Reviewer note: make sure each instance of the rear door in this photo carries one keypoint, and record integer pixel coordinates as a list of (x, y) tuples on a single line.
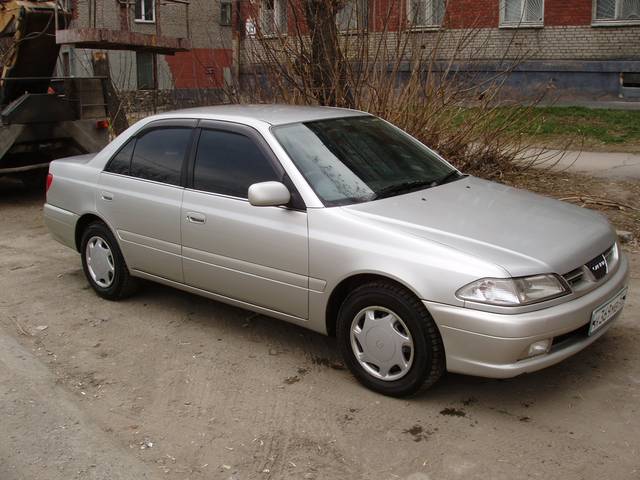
[(140, 195), (258, 255)]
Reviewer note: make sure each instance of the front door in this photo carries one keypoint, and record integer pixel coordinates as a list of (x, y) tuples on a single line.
[(257, 255)]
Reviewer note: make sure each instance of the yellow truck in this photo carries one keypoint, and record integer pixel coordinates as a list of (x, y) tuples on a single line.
[(43, 117)]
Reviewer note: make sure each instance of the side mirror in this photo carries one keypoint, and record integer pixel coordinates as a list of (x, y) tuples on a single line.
[(268, 194)]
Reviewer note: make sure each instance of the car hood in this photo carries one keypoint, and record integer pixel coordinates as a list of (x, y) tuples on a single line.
[(520, 231)]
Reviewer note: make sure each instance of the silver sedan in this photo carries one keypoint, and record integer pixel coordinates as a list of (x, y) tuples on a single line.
[(340, 222)]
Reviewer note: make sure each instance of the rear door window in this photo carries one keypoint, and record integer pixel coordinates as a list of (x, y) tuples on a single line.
[(160, 153), (229, 163), (121, 162)]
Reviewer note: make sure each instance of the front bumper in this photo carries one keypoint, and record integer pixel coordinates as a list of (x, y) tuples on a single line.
[(495, 345)]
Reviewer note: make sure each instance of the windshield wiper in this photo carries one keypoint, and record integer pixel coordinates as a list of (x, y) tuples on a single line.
[(412, 185), (402, 188), (452, 176)]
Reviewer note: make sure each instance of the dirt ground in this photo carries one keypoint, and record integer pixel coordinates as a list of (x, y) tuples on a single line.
[(167, 385)]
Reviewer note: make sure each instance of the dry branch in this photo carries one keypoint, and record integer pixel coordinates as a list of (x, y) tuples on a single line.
[(599, 201), (411, 78)]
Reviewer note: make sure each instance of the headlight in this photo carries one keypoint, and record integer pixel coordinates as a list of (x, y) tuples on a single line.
[(513, 291)]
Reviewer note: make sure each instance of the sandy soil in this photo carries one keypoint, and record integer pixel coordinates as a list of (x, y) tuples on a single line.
[(167, 385)]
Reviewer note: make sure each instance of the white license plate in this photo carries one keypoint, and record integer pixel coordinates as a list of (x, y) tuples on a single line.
[(606, 312)]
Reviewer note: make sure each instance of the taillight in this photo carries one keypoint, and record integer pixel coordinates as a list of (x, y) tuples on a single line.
[(102, 124), (49, 181)]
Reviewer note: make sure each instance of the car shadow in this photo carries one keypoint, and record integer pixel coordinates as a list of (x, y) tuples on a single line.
[(14, 192), (560, 387), (290, 338), (554, 385)]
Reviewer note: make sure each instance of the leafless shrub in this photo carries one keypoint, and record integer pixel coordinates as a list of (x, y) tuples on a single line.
[(409, 77)]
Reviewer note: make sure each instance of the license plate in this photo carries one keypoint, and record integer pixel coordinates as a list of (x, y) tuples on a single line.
[(606, 312)]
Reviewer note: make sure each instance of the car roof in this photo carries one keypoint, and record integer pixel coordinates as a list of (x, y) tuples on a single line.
[(272, 114)]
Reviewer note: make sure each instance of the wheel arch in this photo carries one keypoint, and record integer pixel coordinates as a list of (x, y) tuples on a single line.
[(86, 220), (346, 285)]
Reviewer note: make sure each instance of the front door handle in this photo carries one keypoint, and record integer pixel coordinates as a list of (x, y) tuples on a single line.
[(195, 217)]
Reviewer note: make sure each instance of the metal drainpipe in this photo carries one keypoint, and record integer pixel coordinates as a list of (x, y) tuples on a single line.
[(236, 37), (155, 82)]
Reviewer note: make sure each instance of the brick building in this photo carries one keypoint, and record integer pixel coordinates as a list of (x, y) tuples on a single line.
[(190, 40), (583, 48)]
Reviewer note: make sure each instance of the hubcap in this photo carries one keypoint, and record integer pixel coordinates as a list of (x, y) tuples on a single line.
[(382, 343), (100, 262)]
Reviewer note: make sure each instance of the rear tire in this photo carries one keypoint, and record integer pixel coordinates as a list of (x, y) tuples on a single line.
[(104, 265), (389, 340)]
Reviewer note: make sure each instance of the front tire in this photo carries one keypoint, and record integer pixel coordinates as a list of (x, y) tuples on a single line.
[(388, 340), (103, 263)]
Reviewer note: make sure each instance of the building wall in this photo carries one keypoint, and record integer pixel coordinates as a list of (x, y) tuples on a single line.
[(564, 43), (567, 47), (548, 43), (568, 52), (486, 13), (204, 67), (473, 14)]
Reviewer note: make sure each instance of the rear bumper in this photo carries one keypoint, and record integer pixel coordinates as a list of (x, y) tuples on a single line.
[(61, 224), (473, 346)]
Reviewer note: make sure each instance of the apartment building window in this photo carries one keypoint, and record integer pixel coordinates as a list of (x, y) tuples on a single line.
[(425, 13), (617, 11), (522, 13), (145, 10), (353, 16), (273, 17), (144, 70), (631, 80), (225, 13)]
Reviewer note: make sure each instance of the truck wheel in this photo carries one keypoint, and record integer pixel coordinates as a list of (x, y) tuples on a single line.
[(388, 340), (104, 265)]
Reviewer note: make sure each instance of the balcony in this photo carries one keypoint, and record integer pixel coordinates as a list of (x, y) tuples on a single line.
[(140, 25)]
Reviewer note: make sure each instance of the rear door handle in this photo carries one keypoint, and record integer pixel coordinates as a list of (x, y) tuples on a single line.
[(106, 196), (195, 217)]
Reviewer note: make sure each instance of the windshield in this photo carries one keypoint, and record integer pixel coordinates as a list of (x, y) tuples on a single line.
[(358, 159)]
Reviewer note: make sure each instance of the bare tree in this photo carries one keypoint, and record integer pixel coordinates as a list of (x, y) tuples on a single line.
[(415, 78), (328, 69), (115, 110)]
